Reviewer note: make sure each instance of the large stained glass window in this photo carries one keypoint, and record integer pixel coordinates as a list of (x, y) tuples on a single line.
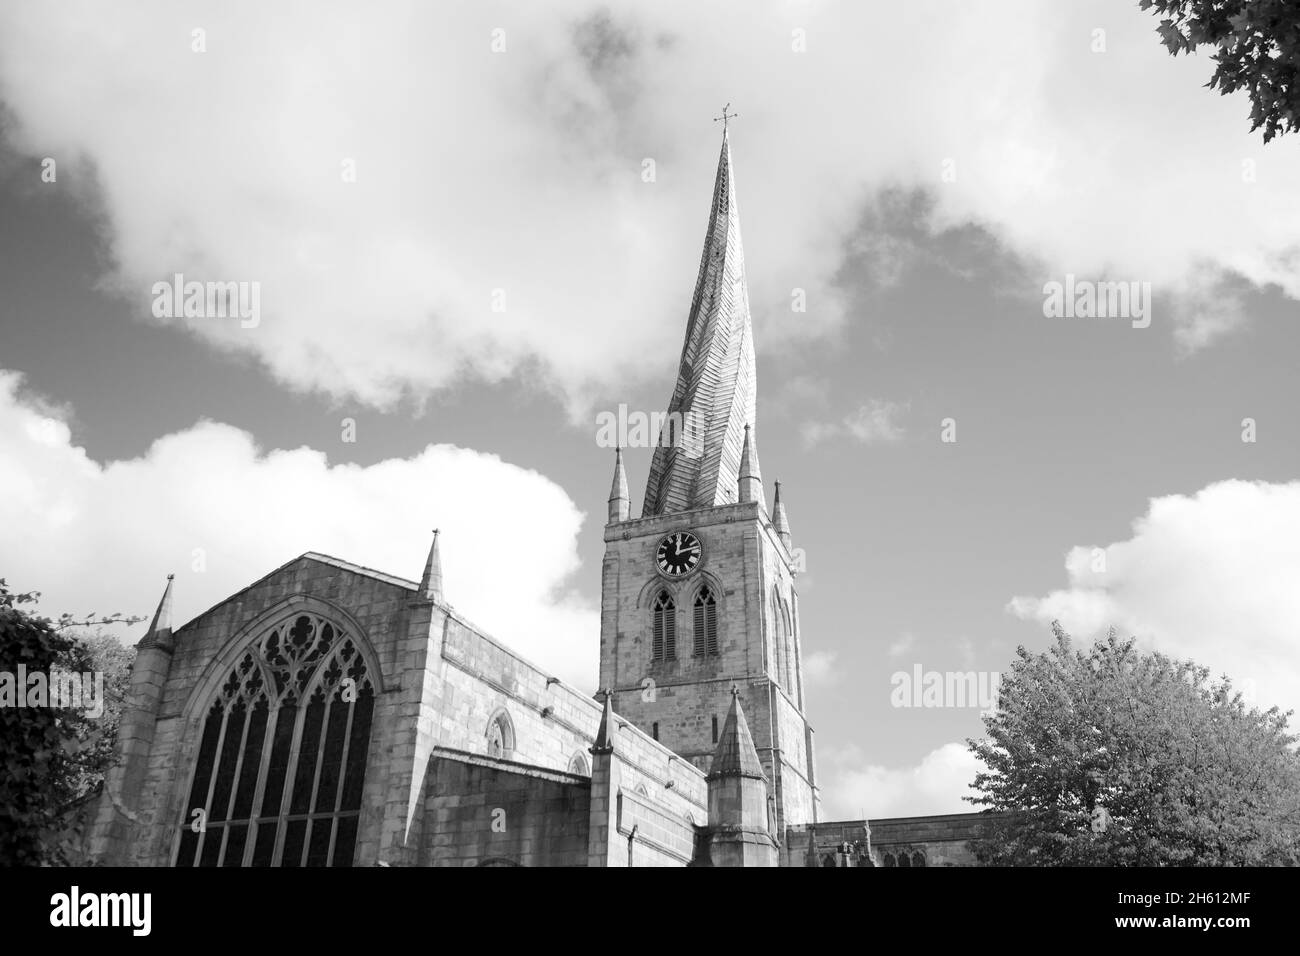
[(283, 754)]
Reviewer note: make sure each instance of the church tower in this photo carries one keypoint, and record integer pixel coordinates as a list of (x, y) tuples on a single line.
[(698, 592)]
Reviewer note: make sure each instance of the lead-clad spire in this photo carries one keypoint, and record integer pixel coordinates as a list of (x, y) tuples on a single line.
[(716, 382)]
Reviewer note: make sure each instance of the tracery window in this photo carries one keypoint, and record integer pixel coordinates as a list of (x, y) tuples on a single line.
[(500, 735), (889, 860), (706, 623), (663, 643), (282, 759), (918, 859)]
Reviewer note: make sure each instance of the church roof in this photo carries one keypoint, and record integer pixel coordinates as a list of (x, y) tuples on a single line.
[(349, 566), (735, 755), (716, 381)]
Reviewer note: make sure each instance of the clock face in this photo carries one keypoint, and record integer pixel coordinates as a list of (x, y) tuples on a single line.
[(679, 553)]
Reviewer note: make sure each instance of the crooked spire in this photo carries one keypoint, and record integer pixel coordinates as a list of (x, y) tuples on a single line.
[(716, 381), (160, 628), (431, 582), (620, 505)]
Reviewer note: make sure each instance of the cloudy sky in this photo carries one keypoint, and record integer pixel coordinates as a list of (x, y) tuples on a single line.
[(476, 226)]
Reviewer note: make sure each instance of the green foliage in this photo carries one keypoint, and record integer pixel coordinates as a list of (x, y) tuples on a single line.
[(1258, 50), (53, 759), (1189, 775)]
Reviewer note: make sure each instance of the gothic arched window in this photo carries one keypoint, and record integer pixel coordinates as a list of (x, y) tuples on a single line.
[(889, 860), (578, 764), (706, 623), (663, 643), (904, 859), (918, 859), (500, 736), (282, 758)]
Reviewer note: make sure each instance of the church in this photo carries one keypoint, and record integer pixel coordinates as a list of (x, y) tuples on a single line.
[(334, 715)]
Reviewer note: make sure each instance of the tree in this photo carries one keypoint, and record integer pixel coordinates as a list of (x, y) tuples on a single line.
[(1116, 757), (89, 740), (1258, 45), (52, 758)]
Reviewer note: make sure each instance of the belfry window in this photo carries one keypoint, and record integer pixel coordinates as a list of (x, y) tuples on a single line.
[(706, 623), (282, 759), (663, 642)]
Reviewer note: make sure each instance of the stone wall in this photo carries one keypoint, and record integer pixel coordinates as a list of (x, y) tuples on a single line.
[(485, 812), (943, 840), (744, 565), (656, 836), (439, 682)]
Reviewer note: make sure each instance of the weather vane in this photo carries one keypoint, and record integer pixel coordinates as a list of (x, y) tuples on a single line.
[(725, 116)]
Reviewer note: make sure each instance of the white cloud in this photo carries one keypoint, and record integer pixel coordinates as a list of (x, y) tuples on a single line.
[(1211, 576), (819, 668), (901, 646), (874, 421), (935, 785), (966, 649), (101, 537), (521, 171), (1208, 307)]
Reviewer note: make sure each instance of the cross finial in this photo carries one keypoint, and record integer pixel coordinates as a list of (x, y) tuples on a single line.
[(725, 116)]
